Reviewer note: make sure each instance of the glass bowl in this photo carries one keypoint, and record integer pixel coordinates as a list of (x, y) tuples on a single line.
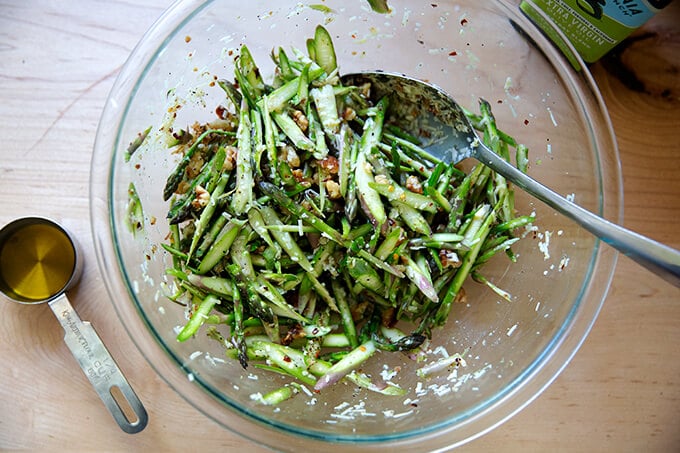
[(472, 49)]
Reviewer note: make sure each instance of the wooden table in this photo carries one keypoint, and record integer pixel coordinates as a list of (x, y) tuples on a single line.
[(58, 61)]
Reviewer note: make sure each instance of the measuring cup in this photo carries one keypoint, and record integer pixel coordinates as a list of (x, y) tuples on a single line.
[(39, 262)]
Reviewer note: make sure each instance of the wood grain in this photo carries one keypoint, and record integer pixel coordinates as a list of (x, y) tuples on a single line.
[(59, 60)]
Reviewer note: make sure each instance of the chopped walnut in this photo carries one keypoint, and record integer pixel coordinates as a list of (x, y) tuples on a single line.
[(183, 187), (366, 90), (198, 128), (368, 168), (301, 120), (230, 159), (202, 198), (389, 317), (358, 310), (330, 164), (291, 157), (449, 258), (195, 165), (333, 189), (461, 297), (413, 184), (300, 177), (221, 111), (293, 334), (227, 123), (349, 114)]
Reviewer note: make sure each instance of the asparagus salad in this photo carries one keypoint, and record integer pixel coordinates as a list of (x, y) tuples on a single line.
[(308, 230)]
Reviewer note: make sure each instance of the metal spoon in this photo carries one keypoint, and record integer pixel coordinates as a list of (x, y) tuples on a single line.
[(460, 142), (39, 263)]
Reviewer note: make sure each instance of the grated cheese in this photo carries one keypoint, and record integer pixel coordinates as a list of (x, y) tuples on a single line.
[(544, 245), (390, 414)]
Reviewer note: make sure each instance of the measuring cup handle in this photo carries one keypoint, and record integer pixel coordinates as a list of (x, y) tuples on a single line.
[(100, 368)]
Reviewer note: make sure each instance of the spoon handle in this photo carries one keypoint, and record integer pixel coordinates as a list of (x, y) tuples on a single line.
[(100, 368), (660, 259)]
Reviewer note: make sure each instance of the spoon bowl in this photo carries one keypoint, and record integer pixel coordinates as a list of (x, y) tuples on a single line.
[(451, 138)]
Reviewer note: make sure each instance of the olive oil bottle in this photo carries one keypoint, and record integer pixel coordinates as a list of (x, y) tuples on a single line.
[(594, 27)]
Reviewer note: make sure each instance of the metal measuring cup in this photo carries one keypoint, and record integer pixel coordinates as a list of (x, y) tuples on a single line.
[(39, 262)]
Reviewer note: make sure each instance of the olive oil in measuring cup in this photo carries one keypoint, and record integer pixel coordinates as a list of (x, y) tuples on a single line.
[(39, 263), (36, 261)]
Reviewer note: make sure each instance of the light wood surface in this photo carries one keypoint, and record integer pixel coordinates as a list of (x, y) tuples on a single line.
[(58, 60)]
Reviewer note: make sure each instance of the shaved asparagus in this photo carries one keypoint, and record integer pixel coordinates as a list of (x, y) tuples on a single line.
[(304, 231)]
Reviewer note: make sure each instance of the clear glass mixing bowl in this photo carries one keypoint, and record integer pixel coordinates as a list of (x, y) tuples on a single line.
[(472, 49)]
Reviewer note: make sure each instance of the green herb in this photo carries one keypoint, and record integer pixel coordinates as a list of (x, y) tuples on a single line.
[(380, 6), (136, 143), (134, 213)]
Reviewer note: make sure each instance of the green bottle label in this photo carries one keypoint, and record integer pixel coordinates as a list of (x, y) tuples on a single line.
[(595, 26)]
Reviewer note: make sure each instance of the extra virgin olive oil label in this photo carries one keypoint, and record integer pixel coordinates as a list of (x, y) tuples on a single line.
[(594, 27)]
